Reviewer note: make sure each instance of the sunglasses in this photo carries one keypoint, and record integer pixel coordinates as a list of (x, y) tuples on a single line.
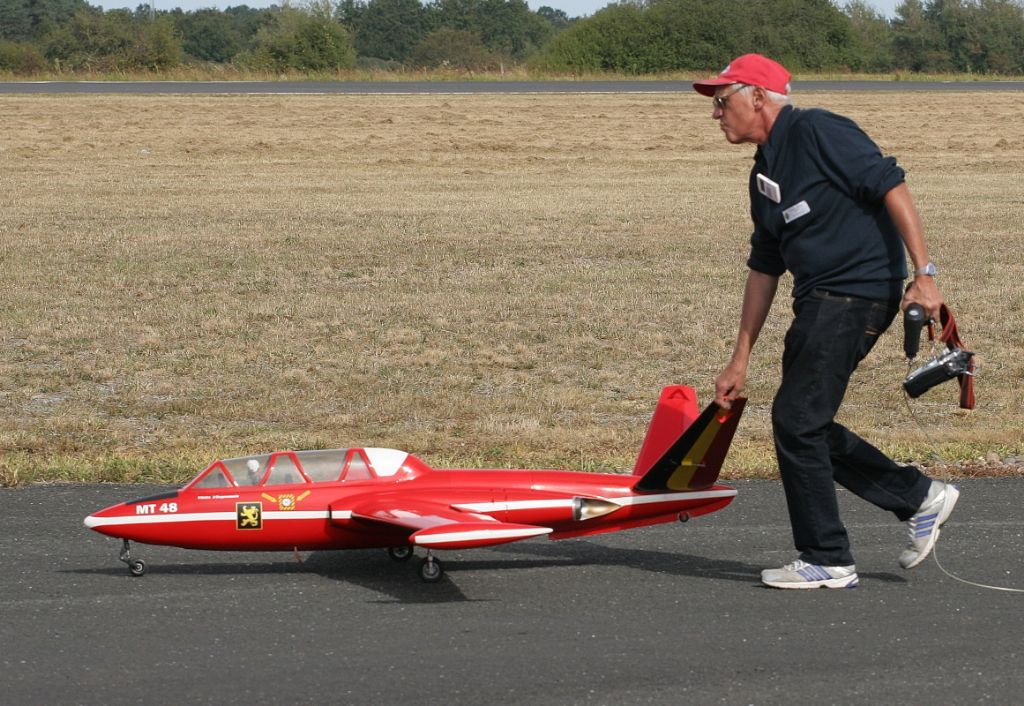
[(720, 101)]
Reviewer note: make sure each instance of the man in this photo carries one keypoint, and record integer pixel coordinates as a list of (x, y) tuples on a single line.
[(831, 210)]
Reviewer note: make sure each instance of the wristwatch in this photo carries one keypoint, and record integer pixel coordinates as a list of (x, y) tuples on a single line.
[(930, 269)]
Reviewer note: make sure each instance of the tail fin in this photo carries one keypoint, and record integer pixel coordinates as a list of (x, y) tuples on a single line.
[(683, 451), (675, 411)]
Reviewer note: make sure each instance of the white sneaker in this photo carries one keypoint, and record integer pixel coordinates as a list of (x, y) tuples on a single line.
[(800, 574), (924, 526)]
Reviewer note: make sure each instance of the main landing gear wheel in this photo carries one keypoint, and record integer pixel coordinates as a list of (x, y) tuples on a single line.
[(431, 570), (400, 553)]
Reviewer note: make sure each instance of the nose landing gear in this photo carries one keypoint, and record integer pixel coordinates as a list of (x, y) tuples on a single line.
[(136, 567)]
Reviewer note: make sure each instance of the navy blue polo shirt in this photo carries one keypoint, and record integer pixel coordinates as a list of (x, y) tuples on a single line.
[(818, 208)]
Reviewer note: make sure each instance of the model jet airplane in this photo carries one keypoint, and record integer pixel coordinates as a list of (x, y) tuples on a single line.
[(371, 497)]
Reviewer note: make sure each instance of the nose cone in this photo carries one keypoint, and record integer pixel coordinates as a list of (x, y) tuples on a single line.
[(125, 520), (109, 520)]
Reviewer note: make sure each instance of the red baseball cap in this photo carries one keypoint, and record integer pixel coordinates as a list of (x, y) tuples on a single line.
[(751, 69)]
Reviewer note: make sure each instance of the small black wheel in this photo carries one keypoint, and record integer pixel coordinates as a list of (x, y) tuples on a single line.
[(403, 553), (431, 570), (137, 567)]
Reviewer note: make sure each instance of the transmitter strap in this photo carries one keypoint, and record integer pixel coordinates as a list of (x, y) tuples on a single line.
[(951, 337)]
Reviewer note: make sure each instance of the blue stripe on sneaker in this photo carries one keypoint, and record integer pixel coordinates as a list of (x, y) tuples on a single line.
[(816, 573)]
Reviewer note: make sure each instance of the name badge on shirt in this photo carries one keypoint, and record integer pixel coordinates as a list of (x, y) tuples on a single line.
[(769, 188), (796, 211)]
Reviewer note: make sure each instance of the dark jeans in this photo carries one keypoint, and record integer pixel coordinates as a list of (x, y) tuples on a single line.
[(829, 336)]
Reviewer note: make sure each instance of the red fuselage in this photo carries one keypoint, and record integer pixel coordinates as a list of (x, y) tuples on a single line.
[(333, 514)]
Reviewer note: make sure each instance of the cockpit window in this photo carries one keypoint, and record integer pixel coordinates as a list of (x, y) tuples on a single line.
[(322, 465), (215, 477), (358, 468), (288, 467), (283, 470), (247, 470)]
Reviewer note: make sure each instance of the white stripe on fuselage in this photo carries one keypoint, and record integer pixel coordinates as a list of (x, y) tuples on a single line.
[(514, 505), (674, 497), (94, 521)]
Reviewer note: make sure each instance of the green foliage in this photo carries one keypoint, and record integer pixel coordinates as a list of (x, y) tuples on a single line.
[(116, 40), (210, 35), (1001, 36), (569, 52), (557, 18), (392, 29), (871, 50), (701, 34), (160, 47), (302, 41), (455, 48), (633, 36), (959, 36), (610, 40), (509, 28), (372, 63), (89, 38), (20, 57), (23, 20), (815, 35), (248, 21), (389, 29), (669, 35), (802, 34)]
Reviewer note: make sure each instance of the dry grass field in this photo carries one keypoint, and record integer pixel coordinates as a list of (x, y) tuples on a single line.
[(501, 280)]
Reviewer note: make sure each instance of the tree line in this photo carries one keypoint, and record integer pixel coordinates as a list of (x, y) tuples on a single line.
[(633, 37)]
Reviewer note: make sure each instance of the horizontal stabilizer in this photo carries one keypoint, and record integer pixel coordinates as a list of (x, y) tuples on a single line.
[(694, 461), (466, 535)]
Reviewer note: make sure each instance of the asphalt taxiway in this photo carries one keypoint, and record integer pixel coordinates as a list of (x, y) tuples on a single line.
[(660, 615)]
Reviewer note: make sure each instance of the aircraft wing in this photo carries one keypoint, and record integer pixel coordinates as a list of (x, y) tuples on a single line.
[(439, 526)]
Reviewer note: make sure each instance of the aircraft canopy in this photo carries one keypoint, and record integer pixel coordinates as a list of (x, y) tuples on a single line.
[(290, 467)]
